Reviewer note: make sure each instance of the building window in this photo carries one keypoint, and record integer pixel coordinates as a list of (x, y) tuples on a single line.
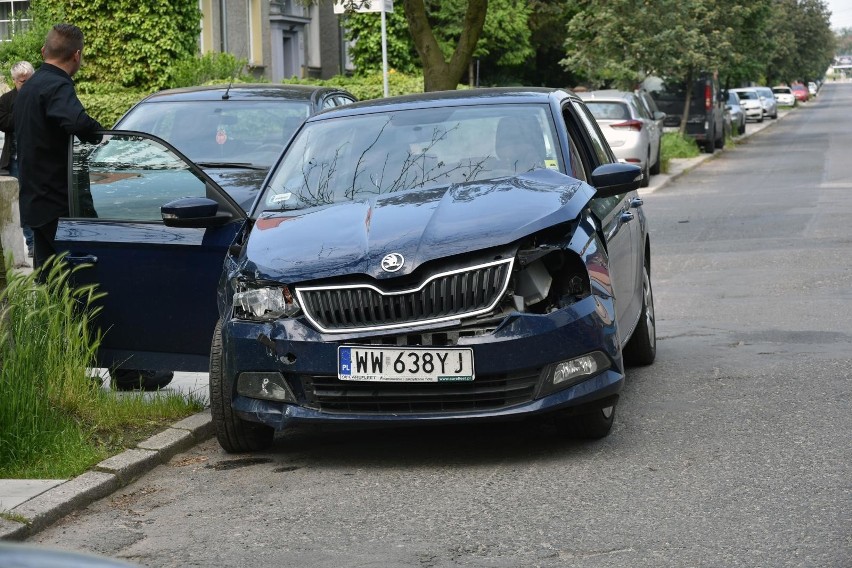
[(13, 18)]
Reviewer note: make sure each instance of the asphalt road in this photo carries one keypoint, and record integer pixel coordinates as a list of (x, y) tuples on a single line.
[(733, 449)]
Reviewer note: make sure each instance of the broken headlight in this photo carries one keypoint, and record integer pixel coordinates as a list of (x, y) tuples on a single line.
[(265, 303)]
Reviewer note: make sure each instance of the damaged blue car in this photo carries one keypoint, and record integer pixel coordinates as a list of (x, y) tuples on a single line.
[(444, 257)]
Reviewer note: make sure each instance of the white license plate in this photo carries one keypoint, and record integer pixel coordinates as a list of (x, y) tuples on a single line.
[(404, 365)]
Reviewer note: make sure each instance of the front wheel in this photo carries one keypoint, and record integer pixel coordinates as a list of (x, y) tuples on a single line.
[(592, 424), (235, 435), (641, 349)]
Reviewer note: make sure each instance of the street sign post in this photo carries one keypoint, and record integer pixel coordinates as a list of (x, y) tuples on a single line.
[(364, 6)]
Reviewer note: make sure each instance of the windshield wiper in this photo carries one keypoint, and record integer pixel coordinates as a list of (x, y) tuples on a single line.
[(235, 165)]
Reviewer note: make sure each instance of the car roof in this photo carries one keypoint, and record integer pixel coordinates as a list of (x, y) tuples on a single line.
[(607, 94), (462, 97), (259, 91)]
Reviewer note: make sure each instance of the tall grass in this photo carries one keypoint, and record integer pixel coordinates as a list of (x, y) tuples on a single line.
[(674, 145), (55, 421)]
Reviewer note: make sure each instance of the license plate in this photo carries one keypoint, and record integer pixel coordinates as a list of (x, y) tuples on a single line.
[(404, 365)]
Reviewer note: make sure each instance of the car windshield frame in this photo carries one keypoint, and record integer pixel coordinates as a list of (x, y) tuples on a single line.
[(232, 133), (358, 157)]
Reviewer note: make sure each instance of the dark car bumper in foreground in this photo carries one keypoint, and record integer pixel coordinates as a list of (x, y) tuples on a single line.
[(513, 364)]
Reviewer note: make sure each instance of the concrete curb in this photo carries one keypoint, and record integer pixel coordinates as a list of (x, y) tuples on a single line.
[(105, 478)]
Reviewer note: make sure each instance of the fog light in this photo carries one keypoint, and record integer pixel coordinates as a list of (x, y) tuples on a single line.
[(267, 386), (579, 368)]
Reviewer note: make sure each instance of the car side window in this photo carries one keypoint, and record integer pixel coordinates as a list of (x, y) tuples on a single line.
[(128, 178), (602, 207), (599, 144)]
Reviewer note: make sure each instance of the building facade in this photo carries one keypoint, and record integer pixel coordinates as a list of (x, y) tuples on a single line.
[(279, 38)]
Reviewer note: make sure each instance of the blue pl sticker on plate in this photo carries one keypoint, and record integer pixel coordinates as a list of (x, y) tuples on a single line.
[(345, 361)]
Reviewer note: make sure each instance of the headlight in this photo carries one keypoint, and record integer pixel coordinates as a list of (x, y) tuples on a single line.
[(268, 303)]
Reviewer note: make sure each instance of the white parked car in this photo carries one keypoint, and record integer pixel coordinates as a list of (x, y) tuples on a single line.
[(631, 132), (750, 101), (784, 95), (812, 88)]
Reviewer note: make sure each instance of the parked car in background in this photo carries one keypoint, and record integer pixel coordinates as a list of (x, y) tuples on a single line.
[(234, 132), (750, 101), (736, 114), (784, 95), (706, 115), (653, 111), (435, 258), (633, 135), (801, 93), (767, 100), (812, 89)]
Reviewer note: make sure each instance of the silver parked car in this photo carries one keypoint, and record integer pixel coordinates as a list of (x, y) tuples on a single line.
[(737, 114), (750, 101), (633, 134), (767, 99)]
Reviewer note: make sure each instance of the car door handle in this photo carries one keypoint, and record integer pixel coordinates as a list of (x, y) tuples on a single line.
[(636, 202), (626, 216), (82, 259)]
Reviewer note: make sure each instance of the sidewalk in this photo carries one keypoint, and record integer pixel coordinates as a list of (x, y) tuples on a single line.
[(28, 506)]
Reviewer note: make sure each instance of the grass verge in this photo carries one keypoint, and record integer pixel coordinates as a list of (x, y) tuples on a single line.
[(55, 421), (674, 146)]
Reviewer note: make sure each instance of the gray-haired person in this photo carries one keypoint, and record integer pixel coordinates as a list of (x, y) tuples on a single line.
[(21, 72)]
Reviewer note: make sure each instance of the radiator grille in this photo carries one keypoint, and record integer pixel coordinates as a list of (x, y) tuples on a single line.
[(449, 295), (330, 394)]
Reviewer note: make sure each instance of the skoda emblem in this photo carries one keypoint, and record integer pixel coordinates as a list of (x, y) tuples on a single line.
[(392, 262)]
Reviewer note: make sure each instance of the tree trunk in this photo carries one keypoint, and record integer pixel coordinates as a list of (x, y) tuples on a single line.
[(685, 116), (439, 74)]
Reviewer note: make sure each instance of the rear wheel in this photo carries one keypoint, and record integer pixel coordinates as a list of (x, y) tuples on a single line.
[(234, 434), (641, 349), (655, 169), (646, 172), (710, 142), (720, 142), (742, 128)]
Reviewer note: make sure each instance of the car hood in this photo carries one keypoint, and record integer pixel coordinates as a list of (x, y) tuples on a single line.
[(421, 225), (242, 185)]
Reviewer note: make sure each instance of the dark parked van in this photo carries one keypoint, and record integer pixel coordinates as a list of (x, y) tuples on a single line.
[(706, 120)]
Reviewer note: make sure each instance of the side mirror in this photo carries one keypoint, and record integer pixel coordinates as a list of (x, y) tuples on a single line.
[(659, 115), (193, 212), (614, 179)]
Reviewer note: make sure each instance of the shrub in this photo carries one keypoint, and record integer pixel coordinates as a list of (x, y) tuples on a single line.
[(674, 146), (369, 86), (207, 68)]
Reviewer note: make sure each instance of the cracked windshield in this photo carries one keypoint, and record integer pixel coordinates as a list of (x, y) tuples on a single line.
[(356, 158)]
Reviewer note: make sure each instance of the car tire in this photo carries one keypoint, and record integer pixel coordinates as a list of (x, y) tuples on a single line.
[(720, 142), (742, 128), (656, 168), (759, 120), (235, 435), (646, 172), (641, 349), (592, 423), (139, 379), (710, 143)]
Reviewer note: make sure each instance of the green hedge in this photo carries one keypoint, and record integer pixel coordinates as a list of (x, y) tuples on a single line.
[(369, 86), (108, 107)]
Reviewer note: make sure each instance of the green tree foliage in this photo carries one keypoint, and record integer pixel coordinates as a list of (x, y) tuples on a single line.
[(505, 40), (130, 43), (803, 43), (618, 42)]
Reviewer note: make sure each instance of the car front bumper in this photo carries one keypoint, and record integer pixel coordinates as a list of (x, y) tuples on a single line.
[(523, 349)]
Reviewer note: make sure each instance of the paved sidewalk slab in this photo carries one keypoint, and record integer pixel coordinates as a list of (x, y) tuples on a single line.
[(13, 492)]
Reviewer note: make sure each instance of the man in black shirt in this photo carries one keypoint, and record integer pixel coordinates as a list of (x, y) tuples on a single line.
[(46, 114)]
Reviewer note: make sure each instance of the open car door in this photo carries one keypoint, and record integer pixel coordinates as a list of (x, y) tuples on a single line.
[(153, 230)]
